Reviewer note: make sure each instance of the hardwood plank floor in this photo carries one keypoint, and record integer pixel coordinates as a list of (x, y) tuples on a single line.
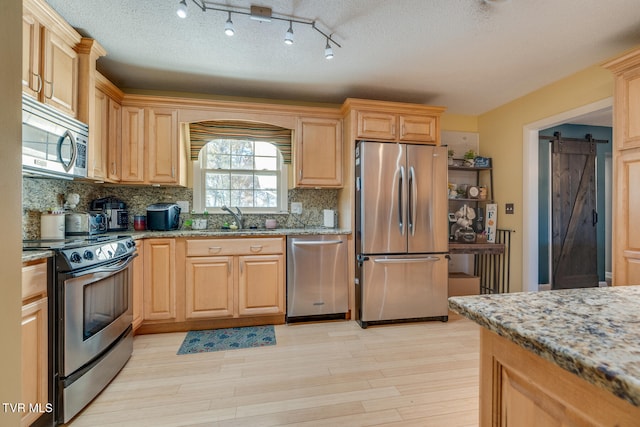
[(318, 374)]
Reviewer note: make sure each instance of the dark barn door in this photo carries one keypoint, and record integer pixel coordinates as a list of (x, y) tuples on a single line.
[(574, 239)]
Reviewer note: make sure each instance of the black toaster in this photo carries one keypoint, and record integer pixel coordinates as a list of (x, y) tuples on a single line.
[(163, 216)]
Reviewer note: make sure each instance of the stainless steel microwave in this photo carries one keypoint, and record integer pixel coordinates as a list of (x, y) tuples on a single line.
[(53, 144)]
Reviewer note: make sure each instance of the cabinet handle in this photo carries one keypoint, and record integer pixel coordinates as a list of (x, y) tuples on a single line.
[(215, 249), (393, 129), (241, 266), (255, 248), (402, 131), (113, 168), (39, 82), (45, 92), (173, 171), (300, 174), (229, 268)]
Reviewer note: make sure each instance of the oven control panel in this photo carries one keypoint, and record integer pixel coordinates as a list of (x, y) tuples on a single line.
[(94, 253)]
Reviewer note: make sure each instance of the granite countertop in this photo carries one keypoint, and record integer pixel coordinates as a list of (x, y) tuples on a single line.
[(259, 232), (246, 232), (593, 333)]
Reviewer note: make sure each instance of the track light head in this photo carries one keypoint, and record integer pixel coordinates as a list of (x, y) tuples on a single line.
[(228, 27), (328, 51), (182, 9), (288, 37)]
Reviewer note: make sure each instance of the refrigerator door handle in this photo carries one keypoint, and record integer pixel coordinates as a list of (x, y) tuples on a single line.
[(400, 201), (406, 260), (413, 194)]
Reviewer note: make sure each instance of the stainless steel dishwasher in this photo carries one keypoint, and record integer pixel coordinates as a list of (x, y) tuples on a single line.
[(316, 277)]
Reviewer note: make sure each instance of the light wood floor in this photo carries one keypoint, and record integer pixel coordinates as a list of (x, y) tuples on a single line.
[(318, 374)]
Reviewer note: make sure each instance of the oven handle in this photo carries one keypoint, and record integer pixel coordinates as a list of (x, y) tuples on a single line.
[(110, 268)]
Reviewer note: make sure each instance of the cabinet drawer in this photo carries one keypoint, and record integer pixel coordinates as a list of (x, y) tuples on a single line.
[(34, 280), (209, 247)]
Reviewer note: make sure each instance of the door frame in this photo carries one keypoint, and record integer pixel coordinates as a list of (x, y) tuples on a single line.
[(530, 139)]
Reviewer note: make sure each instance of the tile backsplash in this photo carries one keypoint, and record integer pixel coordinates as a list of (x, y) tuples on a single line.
[(41, 194)]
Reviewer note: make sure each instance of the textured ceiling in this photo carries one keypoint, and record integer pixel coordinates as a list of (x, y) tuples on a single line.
[(467, 55)]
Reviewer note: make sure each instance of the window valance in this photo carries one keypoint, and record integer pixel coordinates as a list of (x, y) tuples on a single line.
[(203, 132)]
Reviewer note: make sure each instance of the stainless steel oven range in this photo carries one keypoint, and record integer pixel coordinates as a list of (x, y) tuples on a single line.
[(91, 302)]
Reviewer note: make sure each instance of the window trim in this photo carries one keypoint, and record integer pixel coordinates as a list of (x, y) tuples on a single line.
[(199, 199)]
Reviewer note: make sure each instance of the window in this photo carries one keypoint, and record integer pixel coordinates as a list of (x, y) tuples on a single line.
[(239, 172)]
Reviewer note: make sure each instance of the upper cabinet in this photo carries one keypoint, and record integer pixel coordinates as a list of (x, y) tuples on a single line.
[(394, 121), (152, 151), (50, 62), (318, 152), (106, 135)]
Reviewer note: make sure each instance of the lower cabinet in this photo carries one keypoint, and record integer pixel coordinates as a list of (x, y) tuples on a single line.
[(34, 341), (159, 279), (234, 277)]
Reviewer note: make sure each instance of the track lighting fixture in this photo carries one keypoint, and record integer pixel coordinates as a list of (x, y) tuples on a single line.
[(182, 9), (261, 14), (288, 37), (228, 27), (328, 51)]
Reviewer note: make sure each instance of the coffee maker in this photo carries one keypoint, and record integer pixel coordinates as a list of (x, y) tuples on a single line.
[(116, 211)]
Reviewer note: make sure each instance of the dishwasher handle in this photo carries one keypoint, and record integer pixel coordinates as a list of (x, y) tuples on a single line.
[(317, 242), (406, 260)]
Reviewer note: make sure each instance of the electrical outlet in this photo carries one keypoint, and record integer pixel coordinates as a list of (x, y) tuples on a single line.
[(509, 209), (296, 208)]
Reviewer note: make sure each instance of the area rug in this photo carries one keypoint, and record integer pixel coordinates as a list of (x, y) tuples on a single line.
[(227, 339)]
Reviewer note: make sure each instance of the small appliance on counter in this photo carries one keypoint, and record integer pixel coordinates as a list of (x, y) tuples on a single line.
[(163, 216), (85, 223), (115, 210)]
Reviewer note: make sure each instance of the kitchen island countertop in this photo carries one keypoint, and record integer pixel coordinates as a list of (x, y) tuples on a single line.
[(593, 332)]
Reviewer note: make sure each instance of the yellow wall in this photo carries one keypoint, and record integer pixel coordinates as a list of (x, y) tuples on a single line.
[(10, 214), (501, 137), (459, 123)]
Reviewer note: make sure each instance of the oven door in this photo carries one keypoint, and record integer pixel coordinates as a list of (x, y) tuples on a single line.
[(97, 311)]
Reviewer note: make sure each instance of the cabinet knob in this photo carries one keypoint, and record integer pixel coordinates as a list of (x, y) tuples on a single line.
[(255, 248), (215, 249)]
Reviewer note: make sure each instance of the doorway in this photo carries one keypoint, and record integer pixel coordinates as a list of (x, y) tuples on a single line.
[(531, 257)]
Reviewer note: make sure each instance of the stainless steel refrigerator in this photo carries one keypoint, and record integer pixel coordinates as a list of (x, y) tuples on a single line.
[(401, 232)]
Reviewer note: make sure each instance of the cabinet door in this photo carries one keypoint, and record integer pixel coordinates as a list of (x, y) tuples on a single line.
[(159, 279), (114, 141), (318, 153), (377, 126), (163, 145), (31, 77), (34, 358), (60, 72), (261, 285), (209, 287), (627, 114), (99, 137), (132, 157), (418, 128), (138, 286), (626, 238)]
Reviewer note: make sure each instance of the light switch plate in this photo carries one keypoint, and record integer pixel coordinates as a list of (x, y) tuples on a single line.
[(184, 206), (296, 208), (509, 209)]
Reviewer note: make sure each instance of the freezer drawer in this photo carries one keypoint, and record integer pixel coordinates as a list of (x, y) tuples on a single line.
[(403, 287), (316, 276)]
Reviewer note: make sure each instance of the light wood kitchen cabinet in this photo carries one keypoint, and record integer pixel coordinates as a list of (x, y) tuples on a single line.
[(261, 285), (318, 153), (106, 132), (132, 150), (34, 339), (50, 63), (114, 141), (159, 279), (100, 137), (234, 277), (138, 286), (394, 121), (626, 157), (163, 146)]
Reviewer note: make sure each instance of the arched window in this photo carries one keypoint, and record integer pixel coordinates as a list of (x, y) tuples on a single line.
[(245, 173)]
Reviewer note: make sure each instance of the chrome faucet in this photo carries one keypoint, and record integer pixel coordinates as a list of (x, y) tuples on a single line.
[(237, 216)]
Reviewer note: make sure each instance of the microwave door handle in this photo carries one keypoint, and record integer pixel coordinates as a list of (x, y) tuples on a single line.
[(74, 151)]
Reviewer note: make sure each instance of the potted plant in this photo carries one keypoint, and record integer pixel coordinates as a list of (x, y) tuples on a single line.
[(469, 158), (450, 154)]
